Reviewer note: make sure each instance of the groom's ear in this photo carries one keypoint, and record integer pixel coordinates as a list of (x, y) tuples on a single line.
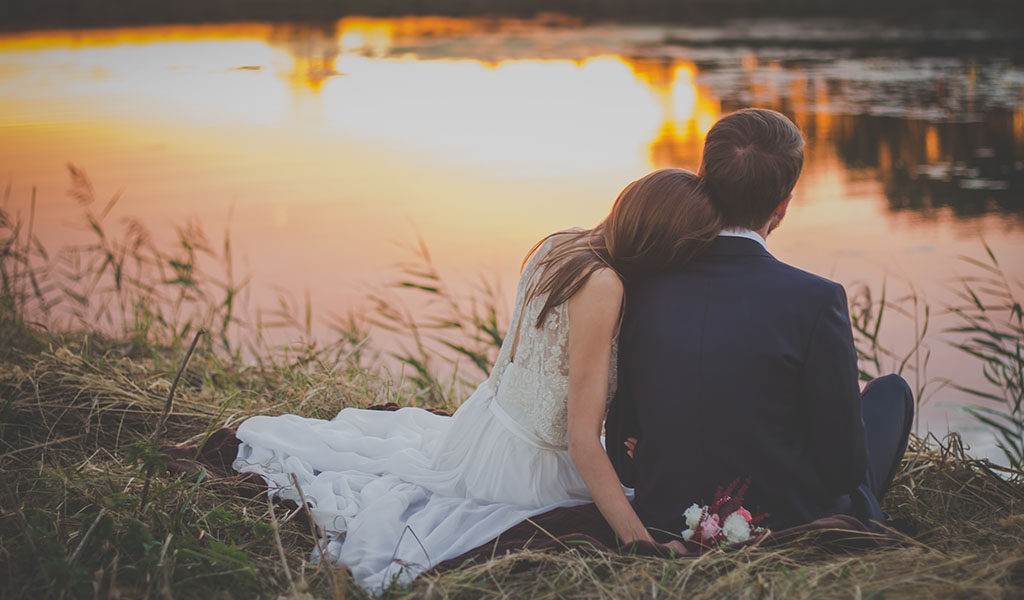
[(780, 210)]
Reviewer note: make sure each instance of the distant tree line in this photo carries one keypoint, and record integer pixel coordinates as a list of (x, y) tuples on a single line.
[(35, 14)]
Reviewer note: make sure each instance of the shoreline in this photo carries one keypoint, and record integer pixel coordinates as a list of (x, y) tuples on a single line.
[(23, 16)]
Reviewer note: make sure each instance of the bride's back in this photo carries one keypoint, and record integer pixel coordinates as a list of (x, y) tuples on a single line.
[(530, 378)]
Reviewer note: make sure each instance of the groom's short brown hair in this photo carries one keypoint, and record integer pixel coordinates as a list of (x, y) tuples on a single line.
[(752, 159)]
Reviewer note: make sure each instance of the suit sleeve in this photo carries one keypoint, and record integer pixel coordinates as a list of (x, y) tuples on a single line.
[(833, 393), (620, 424)]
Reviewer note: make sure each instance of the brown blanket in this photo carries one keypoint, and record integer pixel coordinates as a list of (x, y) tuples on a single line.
[(580, 528)]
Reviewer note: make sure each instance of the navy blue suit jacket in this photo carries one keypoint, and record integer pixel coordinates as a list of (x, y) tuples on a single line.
[(738, 366)]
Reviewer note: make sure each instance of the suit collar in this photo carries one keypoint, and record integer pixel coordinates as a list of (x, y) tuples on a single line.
[(736, 246), (743, 232)]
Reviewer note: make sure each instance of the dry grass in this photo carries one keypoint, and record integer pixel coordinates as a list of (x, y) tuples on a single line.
[(963, 529), (77, 446), (77, 417)]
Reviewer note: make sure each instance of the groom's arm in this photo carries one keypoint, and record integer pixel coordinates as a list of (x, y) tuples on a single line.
[(833, 393), (620, 424)]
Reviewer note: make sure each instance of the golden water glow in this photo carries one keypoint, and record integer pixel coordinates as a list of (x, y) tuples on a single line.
[(332, 144), (153, 34), (284, 118), (358, 34), (534, 116), (822, 118), (1018, 121), (337, 133), (931, 145)]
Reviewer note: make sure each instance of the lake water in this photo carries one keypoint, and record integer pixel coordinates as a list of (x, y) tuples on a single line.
[(328, 148)]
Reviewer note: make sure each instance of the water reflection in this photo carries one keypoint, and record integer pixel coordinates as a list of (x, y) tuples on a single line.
[(328, 139), (580, 106), (687, 112), (313, 50), (971, 167), (573, 108)]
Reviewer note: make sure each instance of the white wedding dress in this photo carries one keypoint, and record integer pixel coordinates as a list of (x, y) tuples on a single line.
[(398, 492)]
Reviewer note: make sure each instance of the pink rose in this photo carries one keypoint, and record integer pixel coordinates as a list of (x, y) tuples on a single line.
[(710, 529), (745, 514)]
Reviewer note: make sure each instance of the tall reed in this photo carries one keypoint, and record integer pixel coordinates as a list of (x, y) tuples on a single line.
[(453, 330), (992, 331), (876, 357), (121, 284)]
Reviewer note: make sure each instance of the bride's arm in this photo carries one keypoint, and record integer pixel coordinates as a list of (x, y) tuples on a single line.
[(593, 317)]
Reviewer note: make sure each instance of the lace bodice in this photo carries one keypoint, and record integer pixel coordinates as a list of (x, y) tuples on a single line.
[(533, 387)]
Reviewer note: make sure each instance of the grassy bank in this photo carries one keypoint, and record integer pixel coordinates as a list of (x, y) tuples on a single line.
[(111, 349), (87, 511)]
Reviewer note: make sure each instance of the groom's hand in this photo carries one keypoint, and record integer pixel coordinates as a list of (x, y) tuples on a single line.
[(630, 445)]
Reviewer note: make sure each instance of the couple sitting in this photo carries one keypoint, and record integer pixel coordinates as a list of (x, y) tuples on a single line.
[(712, 360)]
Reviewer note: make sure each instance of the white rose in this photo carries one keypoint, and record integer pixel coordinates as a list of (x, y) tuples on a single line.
[(687, 534), (693, 515), (736, 528)]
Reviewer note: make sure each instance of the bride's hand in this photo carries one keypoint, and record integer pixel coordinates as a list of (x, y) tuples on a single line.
[(677, 547), (630, 445)]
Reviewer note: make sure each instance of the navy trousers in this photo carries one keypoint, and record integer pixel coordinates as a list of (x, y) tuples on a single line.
[(887, 408)]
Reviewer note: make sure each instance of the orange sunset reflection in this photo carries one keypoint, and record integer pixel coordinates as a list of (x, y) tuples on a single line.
[(687, 112), (369, 123), (285, 117), (532, 116)]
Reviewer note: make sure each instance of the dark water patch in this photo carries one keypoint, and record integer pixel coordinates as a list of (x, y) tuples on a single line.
[(25, 15), (973, 169), (871, 33)]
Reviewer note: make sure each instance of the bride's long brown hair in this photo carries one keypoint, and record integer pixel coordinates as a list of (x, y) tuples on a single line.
[(658, 222)]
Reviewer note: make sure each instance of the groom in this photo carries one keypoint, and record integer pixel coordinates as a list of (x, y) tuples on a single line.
[(739, 366)]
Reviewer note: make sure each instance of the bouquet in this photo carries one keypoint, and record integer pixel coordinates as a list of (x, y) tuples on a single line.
[(726, 521)]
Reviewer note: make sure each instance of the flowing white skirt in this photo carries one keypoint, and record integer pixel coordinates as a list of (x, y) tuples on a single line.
[(398, 492)]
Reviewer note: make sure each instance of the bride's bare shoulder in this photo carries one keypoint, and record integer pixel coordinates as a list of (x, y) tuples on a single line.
[(604, 282), (598, 302)]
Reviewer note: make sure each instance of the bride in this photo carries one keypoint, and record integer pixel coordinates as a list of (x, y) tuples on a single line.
[(398, 492)]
